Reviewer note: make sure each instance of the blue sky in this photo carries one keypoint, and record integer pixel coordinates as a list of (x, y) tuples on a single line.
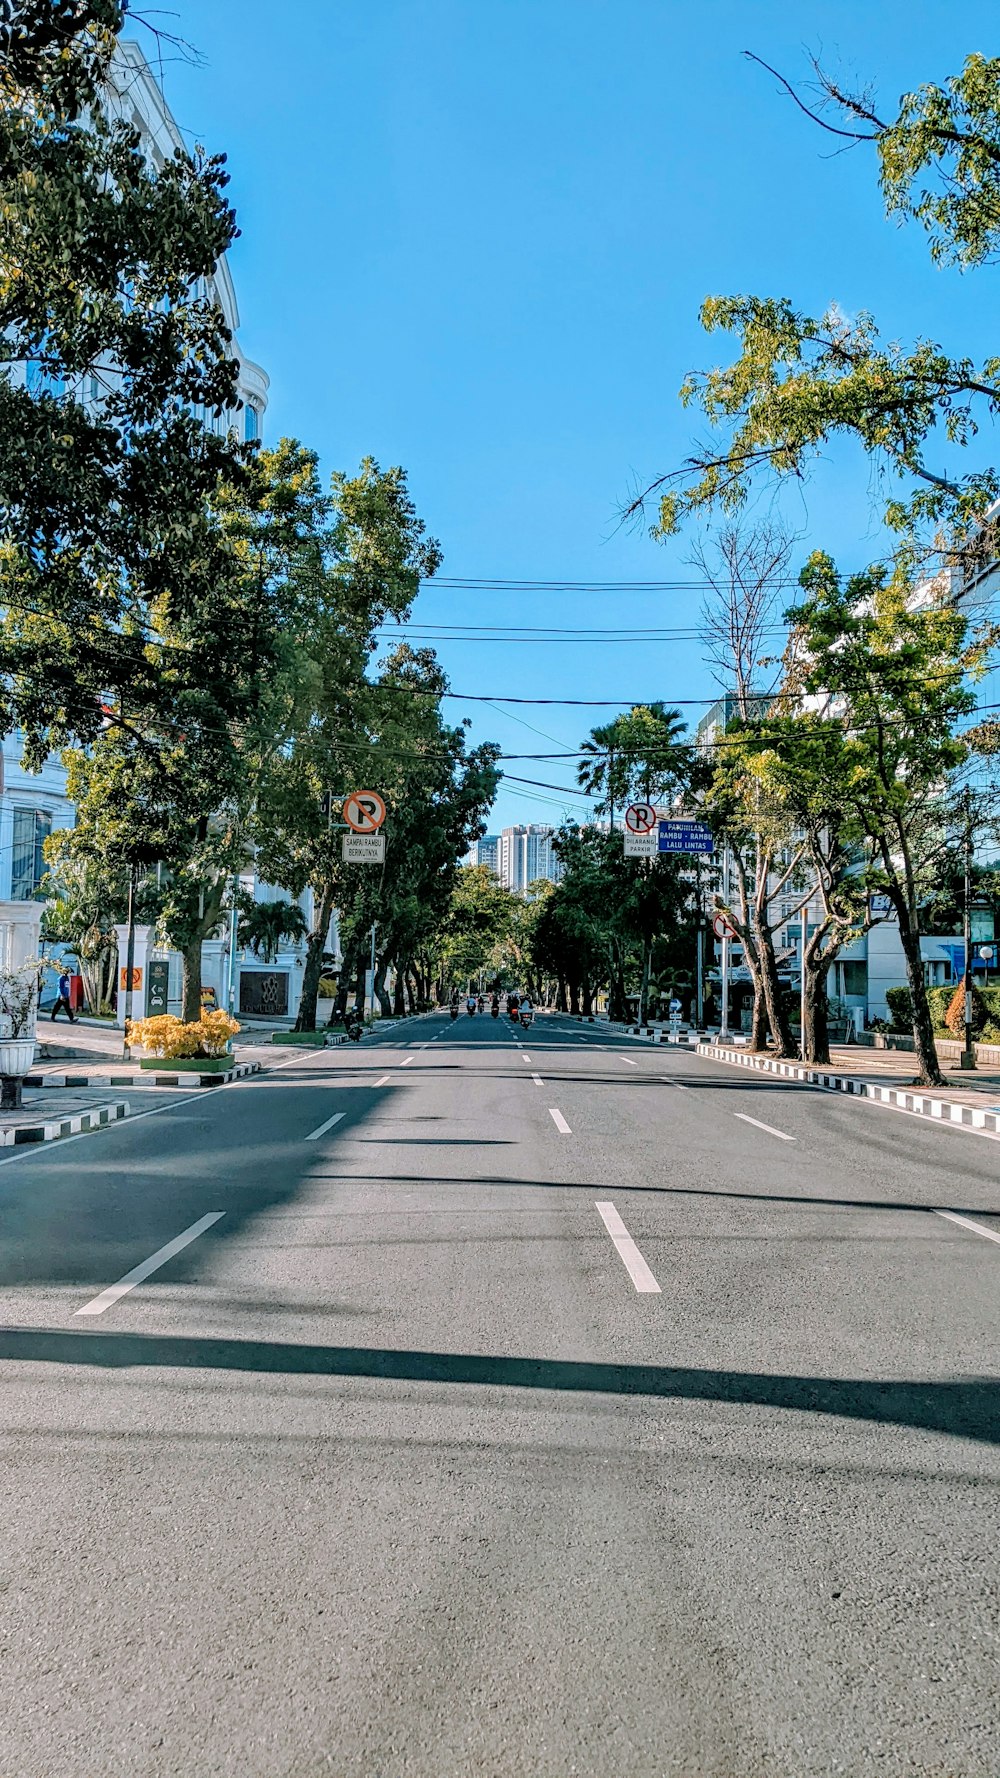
[(476, 234)]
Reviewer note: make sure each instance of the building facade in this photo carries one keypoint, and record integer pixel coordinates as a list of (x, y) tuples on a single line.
[(486, 851), (526, 855)]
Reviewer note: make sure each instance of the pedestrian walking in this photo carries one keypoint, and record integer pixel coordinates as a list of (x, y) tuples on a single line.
[(63, 1000)]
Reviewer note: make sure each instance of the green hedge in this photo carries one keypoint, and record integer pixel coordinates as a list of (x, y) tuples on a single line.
[(939, 999)]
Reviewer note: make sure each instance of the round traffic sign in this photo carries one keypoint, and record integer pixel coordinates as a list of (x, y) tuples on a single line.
[(720, 926), (640, 818), (364, 811)]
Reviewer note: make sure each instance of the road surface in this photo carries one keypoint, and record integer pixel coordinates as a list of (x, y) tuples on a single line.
[(519, 1405)]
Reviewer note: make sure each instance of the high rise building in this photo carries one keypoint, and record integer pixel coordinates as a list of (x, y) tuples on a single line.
[(525, 855), (486, 851)]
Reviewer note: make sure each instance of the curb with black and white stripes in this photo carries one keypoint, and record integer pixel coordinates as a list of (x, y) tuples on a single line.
[(920, 1104), (19, 1134), (148, 1078)]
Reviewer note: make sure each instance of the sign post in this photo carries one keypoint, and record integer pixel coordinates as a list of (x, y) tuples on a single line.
[(641, 839)]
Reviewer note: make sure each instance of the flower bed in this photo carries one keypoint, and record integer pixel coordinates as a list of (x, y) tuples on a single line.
[(167, 1036)]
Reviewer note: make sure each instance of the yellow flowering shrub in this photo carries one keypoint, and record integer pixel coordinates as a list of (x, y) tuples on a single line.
[(168, 1036)]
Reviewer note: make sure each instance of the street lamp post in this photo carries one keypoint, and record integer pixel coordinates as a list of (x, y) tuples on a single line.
[(129, 962), (968, 1059)]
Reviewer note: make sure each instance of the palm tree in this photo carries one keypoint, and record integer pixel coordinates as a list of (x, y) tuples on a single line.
[(639, 757), (266, 923)]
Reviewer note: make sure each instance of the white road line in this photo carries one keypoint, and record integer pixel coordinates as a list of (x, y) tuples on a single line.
[(627, 1061), (681, 1088), (628, 1252), (537, 1079), (384, 1080), (526, 1058), (768, 1127), (107, 1297), (314, 1135), (559, 1121), (406, 1064), (520, 1045), (966, 1222)]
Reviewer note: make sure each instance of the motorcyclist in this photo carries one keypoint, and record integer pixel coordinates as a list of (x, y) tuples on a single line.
[(513, 1002), (495, 1006), (526, 1011), (470, 1005)]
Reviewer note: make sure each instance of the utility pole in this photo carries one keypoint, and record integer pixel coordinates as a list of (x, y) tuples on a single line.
[(802, 979), (969, 1053), (724, 972), (700, 944), (372, 972), (129, 962), (611, 789), (233, 927)]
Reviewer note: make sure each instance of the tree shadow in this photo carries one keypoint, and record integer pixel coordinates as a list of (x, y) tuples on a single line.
[(967, 1408)]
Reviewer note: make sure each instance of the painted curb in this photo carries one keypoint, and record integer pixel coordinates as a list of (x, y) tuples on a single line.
[(922, 1104), (22, 1134), (147, 1079)]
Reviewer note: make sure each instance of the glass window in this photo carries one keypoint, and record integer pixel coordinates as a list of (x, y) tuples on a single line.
[(31, 829), (855, 979), (251, 422)]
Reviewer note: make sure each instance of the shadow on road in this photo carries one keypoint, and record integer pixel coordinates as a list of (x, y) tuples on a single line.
[(962, 1409)]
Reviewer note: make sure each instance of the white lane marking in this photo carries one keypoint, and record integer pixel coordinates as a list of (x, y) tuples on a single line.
[(742, 1115), (314, 1135), (559, 1121), (966, 1222), (384, 1080), (406, 1064), (681, 1088), (537, 1079), (98, 1304), (627, 1061), (526, 1058), (628, 1252), (520, 1045)]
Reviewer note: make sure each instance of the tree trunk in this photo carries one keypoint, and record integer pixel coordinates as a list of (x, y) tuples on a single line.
[(313, 969), (923, 1027), (561, 995), (574, 998), (647, 959), (398, 1007), (359, 980), (380, 988), (816, 1007), (777, 1018), (191, 989), (758, 1021), (586, 998)]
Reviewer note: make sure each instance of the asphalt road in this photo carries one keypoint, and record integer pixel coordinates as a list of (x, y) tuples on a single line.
[(566, 1406)]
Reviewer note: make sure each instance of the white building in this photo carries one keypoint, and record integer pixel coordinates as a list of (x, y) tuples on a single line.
[(526, 854)]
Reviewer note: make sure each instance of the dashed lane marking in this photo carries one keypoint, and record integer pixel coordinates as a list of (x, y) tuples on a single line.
[(314, 1135), (742, 1115), (384, 1080), (628, 1252), (966, 1222), (559, 1121), (114, 1292), (537, 1079)]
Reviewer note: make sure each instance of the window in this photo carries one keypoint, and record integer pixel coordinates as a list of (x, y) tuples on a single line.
[(251, 422), (855, 979), (31, 829)]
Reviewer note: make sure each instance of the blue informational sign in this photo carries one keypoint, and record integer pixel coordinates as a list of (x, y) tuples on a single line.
[(685, 836)]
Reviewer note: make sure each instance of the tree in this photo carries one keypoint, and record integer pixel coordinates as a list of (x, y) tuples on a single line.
[(745, 569), (895, 676), (107, 350), (640, 757), (480, 919), (264, 925), (83, 908), (800, 380)]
